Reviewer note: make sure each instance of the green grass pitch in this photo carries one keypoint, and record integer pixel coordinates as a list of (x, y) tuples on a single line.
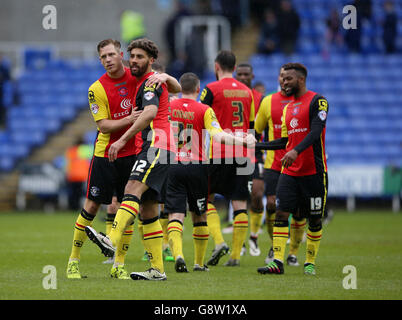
[(369, 241)]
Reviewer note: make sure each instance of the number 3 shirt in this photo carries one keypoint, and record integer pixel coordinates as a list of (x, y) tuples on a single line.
[(233, 104)]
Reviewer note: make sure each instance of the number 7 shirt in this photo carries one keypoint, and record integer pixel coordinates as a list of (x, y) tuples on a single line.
[(189, 120)]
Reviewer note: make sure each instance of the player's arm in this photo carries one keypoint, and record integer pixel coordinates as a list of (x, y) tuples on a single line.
[(143, 121), (211, 123), (109, 126), (173, 85), (100, 112), (207, 96), (150, 102), (277, 143)]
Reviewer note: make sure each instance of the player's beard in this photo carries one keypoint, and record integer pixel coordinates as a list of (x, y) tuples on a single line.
[(141, 70), (294, 90)]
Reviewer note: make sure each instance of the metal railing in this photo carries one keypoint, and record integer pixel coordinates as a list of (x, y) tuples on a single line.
[(216, 31)]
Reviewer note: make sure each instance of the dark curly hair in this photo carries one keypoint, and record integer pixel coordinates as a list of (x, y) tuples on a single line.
[(296, 66), (145, 44)]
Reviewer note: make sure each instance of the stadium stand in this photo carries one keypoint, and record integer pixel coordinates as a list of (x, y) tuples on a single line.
[(364, 103), (362, 88), (51, 95)]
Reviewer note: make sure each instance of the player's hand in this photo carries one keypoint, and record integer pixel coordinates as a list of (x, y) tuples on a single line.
[(156, 79), (250, 141), (114, 150), (289, 158), (135, 114), (173, 97)]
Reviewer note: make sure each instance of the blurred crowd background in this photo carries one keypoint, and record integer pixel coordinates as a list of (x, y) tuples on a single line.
[(47, 133)]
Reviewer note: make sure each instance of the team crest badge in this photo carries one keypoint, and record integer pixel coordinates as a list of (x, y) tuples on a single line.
[(94, 108), (95, 191), (322, 115)]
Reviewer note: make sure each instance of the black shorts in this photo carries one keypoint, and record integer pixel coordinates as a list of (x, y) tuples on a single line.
[(308, 193), (187, 183), (271, 181), (225, 180), (107, 179), (151, 168)]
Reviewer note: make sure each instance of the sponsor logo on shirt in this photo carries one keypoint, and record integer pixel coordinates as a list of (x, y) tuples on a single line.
[(294, 123), (323, 104), (91, 96), (126, 103)]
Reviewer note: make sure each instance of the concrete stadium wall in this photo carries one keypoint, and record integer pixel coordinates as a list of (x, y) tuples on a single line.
[(79, 20)]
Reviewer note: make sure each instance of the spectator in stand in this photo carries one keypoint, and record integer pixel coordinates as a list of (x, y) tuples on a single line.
[(195, 57), (390, 30), (260, 87), (364, 15), (259, 7), (288, 27), (231, 9), (333, 34), (268, 41), (353, 36), (364, 7), (180, 12), (203, 7)]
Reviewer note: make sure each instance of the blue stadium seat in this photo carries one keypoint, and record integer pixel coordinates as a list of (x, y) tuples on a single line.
[(14, 150), (31, 139), (308, 46), (6, 163), (37, 58)]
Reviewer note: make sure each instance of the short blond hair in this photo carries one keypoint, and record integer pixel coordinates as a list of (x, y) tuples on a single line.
[(106, 42)]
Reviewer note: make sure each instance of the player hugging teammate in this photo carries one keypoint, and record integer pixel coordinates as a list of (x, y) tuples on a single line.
[(174, 165)]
